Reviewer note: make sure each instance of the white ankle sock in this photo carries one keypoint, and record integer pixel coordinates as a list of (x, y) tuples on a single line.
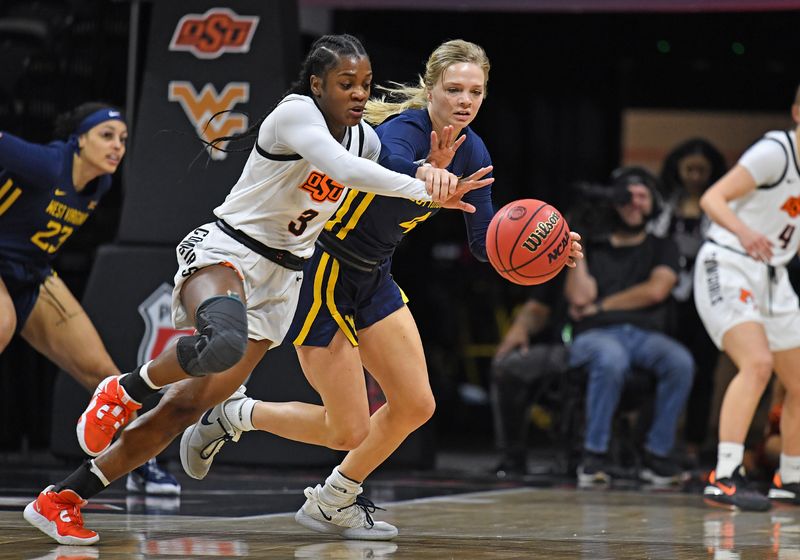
[(240, 413), (98, 473), (339, 489), (729, 456), (146, 378), (790, 468)]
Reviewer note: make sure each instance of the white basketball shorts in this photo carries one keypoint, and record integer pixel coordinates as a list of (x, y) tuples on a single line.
[(271, 291), (731, 288)]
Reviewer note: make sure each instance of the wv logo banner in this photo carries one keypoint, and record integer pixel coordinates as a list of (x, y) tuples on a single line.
[(200, 107)]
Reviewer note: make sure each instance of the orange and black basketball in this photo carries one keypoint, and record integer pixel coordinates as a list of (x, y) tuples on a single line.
[(528, 242)]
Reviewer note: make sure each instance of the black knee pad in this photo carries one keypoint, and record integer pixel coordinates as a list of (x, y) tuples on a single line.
[(222, 324)]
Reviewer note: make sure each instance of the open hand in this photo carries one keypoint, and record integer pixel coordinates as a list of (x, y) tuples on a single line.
[(444, 149), (474, 181)]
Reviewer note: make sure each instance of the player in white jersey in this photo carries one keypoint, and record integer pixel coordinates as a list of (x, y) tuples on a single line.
[(750, 309), (239, 277)]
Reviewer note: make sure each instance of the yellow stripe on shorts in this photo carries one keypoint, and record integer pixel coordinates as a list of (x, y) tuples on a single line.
[(351, 336), (312, 313)]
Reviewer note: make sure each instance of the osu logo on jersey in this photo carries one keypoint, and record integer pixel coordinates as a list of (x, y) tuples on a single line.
[(200, 107), (213, 33), (321, 187), (156, 311), (792, 206)]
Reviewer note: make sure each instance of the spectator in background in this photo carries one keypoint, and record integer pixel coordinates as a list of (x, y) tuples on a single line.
[(530, 352), (689, 169), (618, 299), (46, 193)]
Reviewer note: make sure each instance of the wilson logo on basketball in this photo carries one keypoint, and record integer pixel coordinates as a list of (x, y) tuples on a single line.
[(200, 107), (540, 232), (792, 206), (213, 33), (322, 188)]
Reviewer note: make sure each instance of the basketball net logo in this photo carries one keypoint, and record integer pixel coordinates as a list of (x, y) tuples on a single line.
[(156, 311), (210, 35), (200, 107)]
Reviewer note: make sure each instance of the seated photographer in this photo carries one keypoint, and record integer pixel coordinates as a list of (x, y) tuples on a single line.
[(618, 298), (530, 353)]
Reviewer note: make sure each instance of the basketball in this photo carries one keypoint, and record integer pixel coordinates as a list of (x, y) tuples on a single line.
[(528, 242)]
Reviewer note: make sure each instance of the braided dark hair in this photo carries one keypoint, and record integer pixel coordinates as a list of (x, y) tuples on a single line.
[(66, 123), (324, 54)]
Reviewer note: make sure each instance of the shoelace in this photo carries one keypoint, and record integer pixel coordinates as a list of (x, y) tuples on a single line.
[(213, 446), (366, 506), (108, 420), (75, 515)]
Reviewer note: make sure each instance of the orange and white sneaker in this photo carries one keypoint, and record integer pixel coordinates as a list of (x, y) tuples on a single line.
[(58, 515), (109, 410)]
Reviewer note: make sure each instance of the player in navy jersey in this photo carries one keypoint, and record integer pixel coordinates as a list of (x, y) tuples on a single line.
[(352, 315), (47, 192)]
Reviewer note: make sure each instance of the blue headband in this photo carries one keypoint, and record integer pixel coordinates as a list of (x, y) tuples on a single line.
[(96, 118)]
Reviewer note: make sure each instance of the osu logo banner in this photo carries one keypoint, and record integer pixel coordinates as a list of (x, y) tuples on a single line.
[(200, 107), (156, 311), (214, 33)]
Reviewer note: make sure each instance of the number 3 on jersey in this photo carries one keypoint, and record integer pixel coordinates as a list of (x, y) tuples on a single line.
[(297, 227)]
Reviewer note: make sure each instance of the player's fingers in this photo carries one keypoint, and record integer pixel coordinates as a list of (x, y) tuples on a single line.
[(465, 207), (429, 183), (480, 173), (447, 136), (452, 184)]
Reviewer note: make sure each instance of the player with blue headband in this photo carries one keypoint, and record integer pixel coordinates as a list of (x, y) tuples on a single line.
[(47, 192)]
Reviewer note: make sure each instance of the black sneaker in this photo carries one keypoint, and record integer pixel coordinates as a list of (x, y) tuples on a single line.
[(660, 471), (784, 493), (732, 492), (593, 470)]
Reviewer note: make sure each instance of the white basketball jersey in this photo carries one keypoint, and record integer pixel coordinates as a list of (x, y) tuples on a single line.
[(283, 198), (772, 209)]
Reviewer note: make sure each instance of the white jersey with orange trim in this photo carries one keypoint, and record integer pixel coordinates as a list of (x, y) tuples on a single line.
[(297, 174), (773, 208)]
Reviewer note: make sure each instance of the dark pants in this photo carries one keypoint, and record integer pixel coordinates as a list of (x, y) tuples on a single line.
[(516, 379)]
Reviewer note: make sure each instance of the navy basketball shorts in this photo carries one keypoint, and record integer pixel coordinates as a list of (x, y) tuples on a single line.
[(334, 296), (22, 281)]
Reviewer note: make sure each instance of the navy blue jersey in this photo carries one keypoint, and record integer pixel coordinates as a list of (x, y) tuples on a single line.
[(371, 226), (39, 206)]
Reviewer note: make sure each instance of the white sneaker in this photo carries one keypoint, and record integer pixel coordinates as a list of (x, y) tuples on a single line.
[(352, 521), (200, 442)]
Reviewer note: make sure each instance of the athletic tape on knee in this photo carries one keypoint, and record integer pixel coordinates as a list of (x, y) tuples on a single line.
[(221, 322)]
